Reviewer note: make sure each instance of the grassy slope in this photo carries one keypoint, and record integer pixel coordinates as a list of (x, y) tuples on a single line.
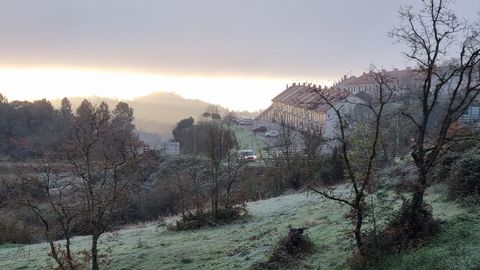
[(239, 245), (245, 141), (456, 247)]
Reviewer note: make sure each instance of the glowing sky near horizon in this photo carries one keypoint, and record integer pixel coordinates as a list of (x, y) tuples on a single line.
[(237, 54), (233, 92)]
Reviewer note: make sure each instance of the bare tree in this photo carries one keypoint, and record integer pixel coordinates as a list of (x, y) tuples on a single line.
[(51, 195), (188, 180), (313, 141), (359, 173), (219, 142), (230, 175), (286, 158), (181, 185), (446, 50), (103, 154)]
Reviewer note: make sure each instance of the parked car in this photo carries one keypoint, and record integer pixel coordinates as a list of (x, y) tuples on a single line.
[(245, 122), (239, 120), (260, 129), (272, 133), (247, 155)]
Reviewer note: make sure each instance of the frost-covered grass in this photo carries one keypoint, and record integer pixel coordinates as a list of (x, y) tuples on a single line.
[(456, 247), (239, 245), (245, 140)]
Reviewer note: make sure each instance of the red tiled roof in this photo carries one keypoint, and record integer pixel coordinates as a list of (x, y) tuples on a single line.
[(309, 97), (368, 78)]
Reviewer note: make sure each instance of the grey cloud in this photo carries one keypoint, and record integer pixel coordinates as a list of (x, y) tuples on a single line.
[(252, 38)]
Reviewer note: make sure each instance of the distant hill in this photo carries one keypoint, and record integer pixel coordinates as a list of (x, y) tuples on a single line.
[(159, 112)]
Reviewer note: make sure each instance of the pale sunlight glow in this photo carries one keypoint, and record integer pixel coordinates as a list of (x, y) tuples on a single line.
[(234, 93)]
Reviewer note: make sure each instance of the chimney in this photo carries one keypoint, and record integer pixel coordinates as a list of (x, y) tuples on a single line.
[(395, 69), (344, 77), (408, 68), (384, 70)]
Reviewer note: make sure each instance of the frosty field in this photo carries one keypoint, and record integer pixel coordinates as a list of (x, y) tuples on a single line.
[(239, 245)]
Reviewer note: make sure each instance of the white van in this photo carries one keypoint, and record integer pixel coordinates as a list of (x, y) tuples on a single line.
[(246, 155)]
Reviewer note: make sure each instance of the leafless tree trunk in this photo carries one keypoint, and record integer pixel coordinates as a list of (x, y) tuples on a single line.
[(312, 143), (230, 175), (219, 144), (194, 175), (181, 192), (104, 154), (216, 151), (360, 173), (286, 157), (434, 35), (49, 193)]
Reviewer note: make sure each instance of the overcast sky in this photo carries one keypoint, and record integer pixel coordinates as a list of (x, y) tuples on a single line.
[(277, 40)]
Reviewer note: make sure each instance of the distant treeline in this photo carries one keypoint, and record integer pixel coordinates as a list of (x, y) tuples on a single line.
[(159, 112), (31, 129)]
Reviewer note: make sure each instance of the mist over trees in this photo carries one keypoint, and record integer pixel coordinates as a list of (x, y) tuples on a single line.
[(157, 112), (80, 168)]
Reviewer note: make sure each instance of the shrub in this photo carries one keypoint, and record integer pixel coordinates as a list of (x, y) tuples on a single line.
[(17, 227), (332, 169), (446, 166), (400, 234), (288, 250), (465, 177), (400, 175), (197, 220)]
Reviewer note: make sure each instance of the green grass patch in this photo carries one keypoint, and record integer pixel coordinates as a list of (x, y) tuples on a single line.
[(242, 244), (245, 139), (456, 247)]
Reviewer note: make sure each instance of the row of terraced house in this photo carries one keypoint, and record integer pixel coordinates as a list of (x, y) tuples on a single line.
[(299, 105)]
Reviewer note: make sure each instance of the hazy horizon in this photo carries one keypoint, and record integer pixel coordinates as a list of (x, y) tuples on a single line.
[(120, 84), (236, 54)]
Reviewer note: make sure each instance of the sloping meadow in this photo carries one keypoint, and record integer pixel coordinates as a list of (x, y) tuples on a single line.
[(251, 240)]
